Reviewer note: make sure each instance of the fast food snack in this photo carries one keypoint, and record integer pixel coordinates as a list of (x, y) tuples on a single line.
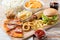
[(13, 28), (26, 26), (33, 4), (10, 14), (24, 15), (50, 16), (17, 32)]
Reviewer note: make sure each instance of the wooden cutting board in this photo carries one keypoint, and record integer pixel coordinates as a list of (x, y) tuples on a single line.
[(30, 33)]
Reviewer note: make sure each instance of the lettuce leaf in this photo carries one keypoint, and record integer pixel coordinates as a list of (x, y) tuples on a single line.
[(45, 18), (55, 17), (48, 20)]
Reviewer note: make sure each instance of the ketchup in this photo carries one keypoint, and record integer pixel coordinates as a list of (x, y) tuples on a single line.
[(40, 34)]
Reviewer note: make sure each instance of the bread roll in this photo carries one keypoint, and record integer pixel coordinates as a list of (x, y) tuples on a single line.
[(50, 12)]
